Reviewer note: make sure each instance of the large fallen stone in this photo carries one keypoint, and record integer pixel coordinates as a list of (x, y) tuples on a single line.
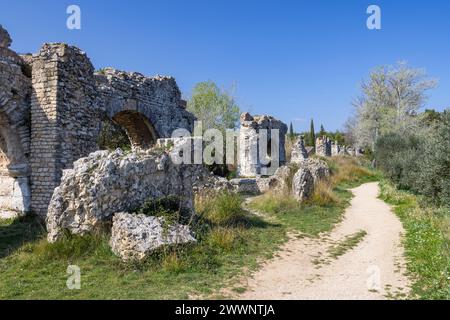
[(278, 182), (302, 184), (245, 185), (107, 182), (135, 236), (318, 168)]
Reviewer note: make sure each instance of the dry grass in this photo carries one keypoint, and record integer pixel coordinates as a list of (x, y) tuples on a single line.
[(223, 238), (323, 194), (346, 169), (289, 143)]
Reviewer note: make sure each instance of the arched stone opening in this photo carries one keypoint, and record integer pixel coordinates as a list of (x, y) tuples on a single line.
[(138, 128)]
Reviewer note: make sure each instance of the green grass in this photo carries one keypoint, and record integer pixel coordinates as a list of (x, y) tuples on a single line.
[(348, 243), (427, 242), (307, 218), (31, 268)]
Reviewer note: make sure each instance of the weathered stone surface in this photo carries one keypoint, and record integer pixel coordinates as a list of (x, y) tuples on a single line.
[(135, 236), (15, 194), (278, 182), (245, 185), (251, 163), (141, 104), (323, 146), (207, 184), (5, 39), (107, 182), (318, 168), (299, 152), (303, 184), (335, 149), (15, 91)]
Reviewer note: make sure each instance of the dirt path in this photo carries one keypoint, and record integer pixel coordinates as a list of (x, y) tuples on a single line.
[(362, 258)]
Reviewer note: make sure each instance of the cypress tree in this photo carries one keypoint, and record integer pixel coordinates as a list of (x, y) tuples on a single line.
[(312, 135), (291, 131), (322, 131)]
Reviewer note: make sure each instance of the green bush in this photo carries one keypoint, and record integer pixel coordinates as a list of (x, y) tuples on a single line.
[(397, 156), (433, 177), (419, 161), (168, 207)]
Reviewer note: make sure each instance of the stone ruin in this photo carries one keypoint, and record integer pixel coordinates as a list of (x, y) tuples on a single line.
[(250, 163), (299, 152), (53, 107), (323, 146)]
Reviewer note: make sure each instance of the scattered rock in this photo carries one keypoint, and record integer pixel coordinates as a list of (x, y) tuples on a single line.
[(135, 236), (5, 39), (318, 168), (245, 185)]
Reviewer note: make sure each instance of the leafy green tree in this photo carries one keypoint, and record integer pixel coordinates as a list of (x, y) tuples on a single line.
[(213, 106)]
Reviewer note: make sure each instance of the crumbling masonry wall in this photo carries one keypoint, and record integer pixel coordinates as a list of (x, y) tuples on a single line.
[(15, 91), (64, 117), (250, 162), (61, 122)]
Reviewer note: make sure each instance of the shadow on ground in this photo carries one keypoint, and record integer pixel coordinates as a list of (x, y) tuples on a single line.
[(17, 232)]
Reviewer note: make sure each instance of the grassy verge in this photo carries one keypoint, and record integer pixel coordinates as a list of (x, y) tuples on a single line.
[(30, 268), (427, 242)]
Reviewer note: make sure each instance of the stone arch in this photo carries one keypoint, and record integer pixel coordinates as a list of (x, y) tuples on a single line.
[(139, 129)]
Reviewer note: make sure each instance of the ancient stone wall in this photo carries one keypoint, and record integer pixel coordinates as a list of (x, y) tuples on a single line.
[(250, 162), (147, 107), (53, 107), (323, 146), (64, 117)]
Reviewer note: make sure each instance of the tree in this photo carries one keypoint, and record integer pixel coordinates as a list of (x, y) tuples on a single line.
[(312, 135), (216, 108), (322, 131), (389, 102), (291, 131)]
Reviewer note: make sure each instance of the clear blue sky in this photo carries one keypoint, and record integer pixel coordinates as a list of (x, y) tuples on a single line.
[(295, 60)]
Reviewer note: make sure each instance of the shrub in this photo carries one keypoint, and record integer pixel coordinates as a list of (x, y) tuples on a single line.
[(419, 161), (397, 156), (433, 175), (168, 207), (112, 136)]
